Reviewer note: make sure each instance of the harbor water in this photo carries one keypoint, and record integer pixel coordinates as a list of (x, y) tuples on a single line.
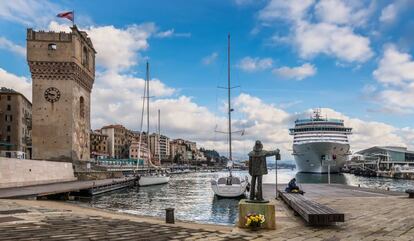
[(191, 195)]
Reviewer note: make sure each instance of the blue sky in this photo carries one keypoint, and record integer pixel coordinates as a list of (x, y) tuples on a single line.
[(352, 58)]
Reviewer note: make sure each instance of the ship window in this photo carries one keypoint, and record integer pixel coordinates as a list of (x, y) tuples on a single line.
[(51, 46)]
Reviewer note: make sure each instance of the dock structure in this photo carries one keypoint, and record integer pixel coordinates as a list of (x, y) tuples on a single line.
[(83, 187)]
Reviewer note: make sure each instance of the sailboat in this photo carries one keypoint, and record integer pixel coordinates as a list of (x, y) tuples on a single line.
[(159, 176), (230, 186)]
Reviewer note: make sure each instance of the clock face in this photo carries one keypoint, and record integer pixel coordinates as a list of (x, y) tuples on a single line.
[(52, 94)]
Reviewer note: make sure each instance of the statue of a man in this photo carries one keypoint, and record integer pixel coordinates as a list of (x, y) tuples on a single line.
[(258, 168)]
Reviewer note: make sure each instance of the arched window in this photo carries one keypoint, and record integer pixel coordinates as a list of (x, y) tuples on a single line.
[(82, 107), (85, 57)]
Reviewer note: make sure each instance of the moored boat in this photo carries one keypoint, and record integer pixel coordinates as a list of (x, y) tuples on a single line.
[(230, 186), (156, 179)]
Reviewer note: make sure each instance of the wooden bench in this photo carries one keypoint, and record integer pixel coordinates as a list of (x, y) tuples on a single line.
[(410, 193), (312, 212)]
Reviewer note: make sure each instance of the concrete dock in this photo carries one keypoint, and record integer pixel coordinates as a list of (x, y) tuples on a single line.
[(56, 188), (369, 215)]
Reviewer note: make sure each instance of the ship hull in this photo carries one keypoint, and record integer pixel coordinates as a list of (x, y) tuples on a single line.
[(308, 156)]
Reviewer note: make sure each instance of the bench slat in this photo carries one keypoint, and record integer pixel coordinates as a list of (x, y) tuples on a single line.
[(314, 213)]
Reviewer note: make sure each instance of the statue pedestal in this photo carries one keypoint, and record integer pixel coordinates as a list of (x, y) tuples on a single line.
[(266, 209)]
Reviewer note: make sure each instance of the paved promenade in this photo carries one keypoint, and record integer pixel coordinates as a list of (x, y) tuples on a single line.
[(369, 215), (48, 220)]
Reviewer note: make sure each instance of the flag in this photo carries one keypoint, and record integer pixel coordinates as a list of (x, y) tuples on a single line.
[(68, 15)]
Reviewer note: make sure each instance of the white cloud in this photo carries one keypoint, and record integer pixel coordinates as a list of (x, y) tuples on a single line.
[(389, 13), (298, 73), (117, 47), (250, 64), (10, 46), (341, 42), (288, 10), (395, 74), (171, 33), (29, 12), (209, 59), (333, 11), (18, 83), (368, 133), (350, 12), (165, 34), (395, 67), (332, 31)]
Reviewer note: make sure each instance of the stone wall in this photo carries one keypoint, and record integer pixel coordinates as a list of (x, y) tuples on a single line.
[(23, 172)]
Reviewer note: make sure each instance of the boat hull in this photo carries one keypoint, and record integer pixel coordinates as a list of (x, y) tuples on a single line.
[(153, 180), (308, 156), (229, 191)]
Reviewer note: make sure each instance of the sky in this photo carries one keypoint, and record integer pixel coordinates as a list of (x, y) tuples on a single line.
[(353, 59)]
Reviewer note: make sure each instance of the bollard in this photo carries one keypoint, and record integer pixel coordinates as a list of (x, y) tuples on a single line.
[(169, 215), (359, 185)]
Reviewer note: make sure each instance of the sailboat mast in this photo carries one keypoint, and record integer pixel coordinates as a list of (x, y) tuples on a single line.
[(159, 136), (141, 123), (229, 97), (148, 117)]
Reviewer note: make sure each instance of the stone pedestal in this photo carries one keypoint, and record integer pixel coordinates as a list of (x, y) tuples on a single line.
[(266, 209)]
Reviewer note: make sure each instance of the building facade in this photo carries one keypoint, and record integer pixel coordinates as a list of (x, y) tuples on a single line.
[(99, 145), (138, 153), (183, 150), (160, 146), (119, 141), (15, 123), (63, 72), (386, 154)]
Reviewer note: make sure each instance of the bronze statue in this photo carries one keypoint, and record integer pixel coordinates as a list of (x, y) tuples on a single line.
[(258, 168)]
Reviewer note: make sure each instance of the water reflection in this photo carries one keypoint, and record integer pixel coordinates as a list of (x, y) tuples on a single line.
[(320, 178), (193, 200), (225, 209)]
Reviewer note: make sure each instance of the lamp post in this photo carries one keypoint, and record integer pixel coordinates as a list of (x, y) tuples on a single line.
[(276, 176), (277, 157)]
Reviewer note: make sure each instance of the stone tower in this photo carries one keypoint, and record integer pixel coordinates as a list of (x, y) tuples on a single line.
[(63, 71)]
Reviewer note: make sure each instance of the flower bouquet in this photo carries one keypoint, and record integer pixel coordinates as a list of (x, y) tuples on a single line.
[(254, 221)]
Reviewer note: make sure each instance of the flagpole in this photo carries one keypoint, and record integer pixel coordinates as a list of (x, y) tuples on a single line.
[(73, 21)]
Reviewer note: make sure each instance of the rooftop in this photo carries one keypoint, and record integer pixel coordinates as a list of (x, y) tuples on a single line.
[(386, 148)]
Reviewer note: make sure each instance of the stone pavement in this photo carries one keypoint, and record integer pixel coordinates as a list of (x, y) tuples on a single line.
[(369, 215), (44, 220)]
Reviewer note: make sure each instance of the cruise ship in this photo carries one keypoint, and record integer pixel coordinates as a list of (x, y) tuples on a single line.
[(318, 139)]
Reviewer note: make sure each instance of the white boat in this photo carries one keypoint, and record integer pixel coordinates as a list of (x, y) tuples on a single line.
[(158, 177), (229, 186), (317, 140), (153, 180)]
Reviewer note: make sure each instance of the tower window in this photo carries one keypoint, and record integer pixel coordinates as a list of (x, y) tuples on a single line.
[(85, 57), (52, 47), (82, 107)]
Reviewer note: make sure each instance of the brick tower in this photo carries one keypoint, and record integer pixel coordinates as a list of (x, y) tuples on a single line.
[(63, 71)]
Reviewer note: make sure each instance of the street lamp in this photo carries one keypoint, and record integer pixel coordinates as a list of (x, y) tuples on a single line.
[(277, 157)]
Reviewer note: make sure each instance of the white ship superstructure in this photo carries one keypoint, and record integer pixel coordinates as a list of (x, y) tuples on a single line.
[(317, 139)]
